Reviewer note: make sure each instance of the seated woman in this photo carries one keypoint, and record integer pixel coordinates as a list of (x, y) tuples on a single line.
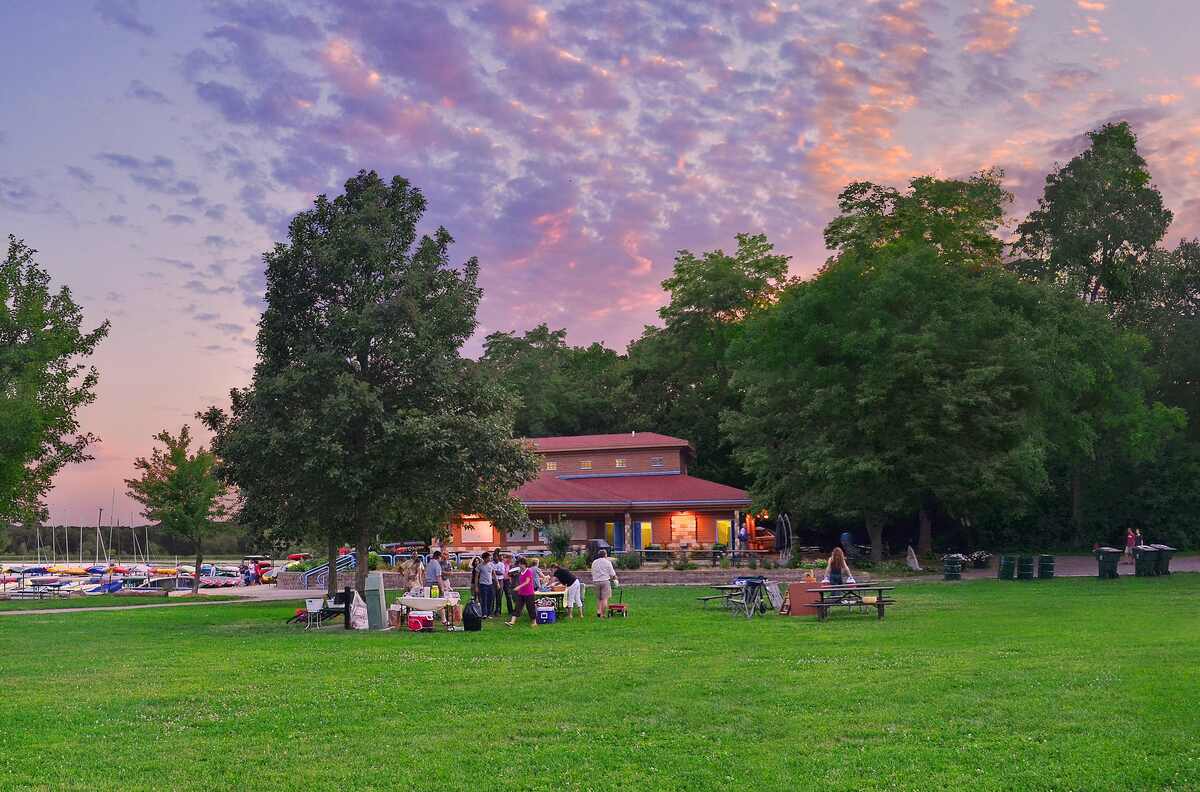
[(837, 571)]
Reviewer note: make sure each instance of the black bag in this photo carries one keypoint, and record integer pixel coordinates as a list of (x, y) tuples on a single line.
[(472, 617)]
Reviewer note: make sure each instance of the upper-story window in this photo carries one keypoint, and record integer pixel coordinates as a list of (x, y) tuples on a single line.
[(620, 462), (551, 465), (656, 461), (585, 464)]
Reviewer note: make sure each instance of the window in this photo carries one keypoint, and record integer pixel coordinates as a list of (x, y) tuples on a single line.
[(551, 465), (585, 464), (656, 461), (620, 462)]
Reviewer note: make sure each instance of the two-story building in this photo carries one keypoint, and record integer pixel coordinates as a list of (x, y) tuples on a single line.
[(632, 490)]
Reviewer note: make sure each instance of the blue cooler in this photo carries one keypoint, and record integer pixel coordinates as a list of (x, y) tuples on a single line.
[(546, 616)]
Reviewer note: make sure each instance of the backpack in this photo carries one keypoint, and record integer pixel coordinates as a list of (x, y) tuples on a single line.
[(472, 616)]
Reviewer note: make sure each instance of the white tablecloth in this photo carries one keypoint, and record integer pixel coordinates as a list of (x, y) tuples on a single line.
[(427, 603)]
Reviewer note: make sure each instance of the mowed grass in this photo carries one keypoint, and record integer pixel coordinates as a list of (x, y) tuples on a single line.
[(102, 601), (1068, 684)]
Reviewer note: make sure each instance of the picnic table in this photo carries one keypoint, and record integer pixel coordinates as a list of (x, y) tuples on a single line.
[(850, 596)]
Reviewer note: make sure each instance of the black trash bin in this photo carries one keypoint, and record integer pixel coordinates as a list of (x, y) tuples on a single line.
[(1107, 558), (952, 567), (1045, 566), (1163, 566), (1145, 561), (1025, 567), (1007, 568)]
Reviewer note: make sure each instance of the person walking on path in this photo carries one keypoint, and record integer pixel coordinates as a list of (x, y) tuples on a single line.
[(604, 577), (1130, 543), (526, 585), (486, 585), (574, 586)]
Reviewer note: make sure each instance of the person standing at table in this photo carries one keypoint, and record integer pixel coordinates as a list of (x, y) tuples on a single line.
[(526, 586), (486, 585), (604, 577), (434, 576), (499, 573), (837, 571), (574, 586)]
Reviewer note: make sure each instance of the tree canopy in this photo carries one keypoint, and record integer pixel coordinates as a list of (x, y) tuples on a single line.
[(362, 412), (43, 382), (564, 390)]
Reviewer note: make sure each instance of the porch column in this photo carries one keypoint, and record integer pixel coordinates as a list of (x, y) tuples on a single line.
[(628, 533)]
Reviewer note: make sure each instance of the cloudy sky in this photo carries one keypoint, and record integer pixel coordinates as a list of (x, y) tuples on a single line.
[(151, 151)]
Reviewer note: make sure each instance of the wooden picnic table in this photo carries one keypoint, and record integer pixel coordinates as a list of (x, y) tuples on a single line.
[(849, 596)]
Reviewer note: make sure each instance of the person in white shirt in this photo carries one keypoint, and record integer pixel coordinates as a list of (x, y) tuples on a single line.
[(604, 577)]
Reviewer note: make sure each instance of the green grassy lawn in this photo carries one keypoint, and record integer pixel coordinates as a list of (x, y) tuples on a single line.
[(1068, 684), (100, 601)]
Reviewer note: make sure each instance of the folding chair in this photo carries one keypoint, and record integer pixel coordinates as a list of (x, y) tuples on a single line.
[(313, 611)]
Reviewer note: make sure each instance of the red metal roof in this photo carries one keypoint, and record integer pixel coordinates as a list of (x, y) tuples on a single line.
[(603, 441), (629, 491)]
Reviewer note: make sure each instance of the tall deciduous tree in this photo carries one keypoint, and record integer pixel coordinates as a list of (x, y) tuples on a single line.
[(679, 373), (43, 382), (889, 377), (956, 219), (180, 490), (362, 413), (1097, 221)]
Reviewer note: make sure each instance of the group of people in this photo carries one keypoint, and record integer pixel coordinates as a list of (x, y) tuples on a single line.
[(498, 580), (1133, 538)]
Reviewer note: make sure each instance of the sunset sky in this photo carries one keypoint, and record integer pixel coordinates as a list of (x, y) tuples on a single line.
[(153, 151)]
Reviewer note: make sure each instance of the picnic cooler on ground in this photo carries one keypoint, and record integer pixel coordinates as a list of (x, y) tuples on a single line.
[(420, 621), (546, 615)]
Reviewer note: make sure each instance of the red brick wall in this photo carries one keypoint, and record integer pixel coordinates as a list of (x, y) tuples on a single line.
[(636, 461)]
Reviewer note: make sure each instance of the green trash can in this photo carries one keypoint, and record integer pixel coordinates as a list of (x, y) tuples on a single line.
[(1107, 558), (1163, 566), (1145, 561), (1007, 568), (952, 567), (1025, 567), (1045, 566)]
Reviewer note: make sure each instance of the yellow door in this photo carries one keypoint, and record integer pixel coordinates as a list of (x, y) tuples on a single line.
[(724, 528), (610, 533), (647, 534)]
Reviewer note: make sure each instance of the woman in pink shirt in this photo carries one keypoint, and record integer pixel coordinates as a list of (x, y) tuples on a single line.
[(526, 585)]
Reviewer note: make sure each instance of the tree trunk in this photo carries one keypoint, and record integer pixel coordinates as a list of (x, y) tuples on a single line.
[(874, 522), (364, 542), (925, 540), (199, 560), (331, 587)]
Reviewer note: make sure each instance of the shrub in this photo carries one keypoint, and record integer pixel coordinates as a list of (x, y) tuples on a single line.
[(372, 560), (725, 564), (558, 540), (682, 565), (752, 563), (631, 560), (578, 562)]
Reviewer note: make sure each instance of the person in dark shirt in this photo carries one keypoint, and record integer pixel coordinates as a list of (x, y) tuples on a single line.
[(574, 589)]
